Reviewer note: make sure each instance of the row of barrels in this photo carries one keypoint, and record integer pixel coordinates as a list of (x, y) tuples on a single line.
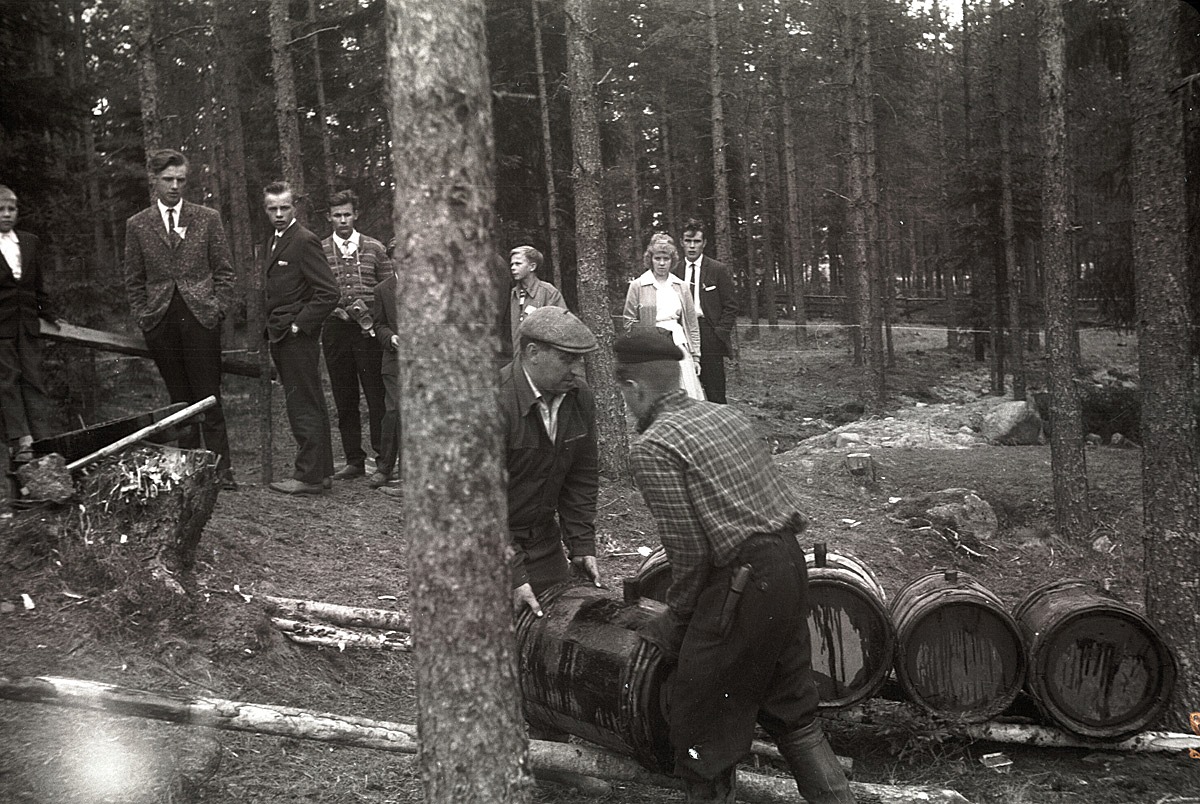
[(1091, 663)]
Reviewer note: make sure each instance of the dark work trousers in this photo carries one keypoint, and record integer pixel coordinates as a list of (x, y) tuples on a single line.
[(760, 670), (188, 356), (23, 401), (352, 358), (298, 361), (545, 559), (389, 443), (712, 363)]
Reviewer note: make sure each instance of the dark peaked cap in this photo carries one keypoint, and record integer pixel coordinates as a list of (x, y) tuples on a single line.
[(645, 346), (558, 328)]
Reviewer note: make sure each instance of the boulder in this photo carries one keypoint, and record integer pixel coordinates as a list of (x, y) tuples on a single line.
[(1013, 423), (961, 510)]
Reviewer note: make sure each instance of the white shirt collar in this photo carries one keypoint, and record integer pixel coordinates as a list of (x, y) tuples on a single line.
[(352, 240), (279, 233), (10, 236), (162, 208)]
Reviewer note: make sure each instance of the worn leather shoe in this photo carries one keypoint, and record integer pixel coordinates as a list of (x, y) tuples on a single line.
[(296, 487), (392, 491), (378, 479), (349, 471), (327, 482), (228, 483)]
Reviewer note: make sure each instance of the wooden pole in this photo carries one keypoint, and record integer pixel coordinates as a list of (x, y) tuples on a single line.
[(336, 614), (546, 759), (127, 345), (340, 638), (148, 430)]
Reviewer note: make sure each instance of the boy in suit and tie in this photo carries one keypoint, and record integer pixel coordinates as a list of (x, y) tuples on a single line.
[(23, 300), (299, 293), (179, 281), (716, 304)]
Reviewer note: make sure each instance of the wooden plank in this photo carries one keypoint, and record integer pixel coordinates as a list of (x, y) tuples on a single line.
[(77, 443), (130, 345)]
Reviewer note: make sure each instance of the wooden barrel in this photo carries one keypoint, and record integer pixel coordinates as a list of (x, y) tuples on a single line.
[(584, 670), (958, 652), (1097, 667), (853, 641), (653, 576)]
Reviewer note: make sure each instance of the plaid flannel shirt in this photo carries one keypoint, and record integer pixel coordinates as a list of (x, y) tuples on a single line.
[(709, 481)]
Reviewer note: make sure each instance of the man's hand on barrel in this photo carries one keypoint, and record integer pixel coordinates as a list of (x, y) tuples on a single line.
[(587, 566), (523, 596)]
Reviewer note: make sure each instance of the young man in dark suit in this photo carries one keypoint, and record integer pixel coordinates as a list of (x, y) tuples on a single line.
[(711, 286), (23, 300), (179, 281), (299, 293)]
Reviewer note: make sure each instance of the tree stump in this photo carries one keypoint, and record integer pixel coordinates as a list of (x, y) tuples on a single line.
[(138, 522), (861, 467)]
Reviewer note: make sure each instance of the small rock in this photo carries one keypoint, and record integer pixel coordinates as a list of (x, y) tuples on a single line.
[(1013, 423), (848, 438), (46, 479), (1117, 440), (1103, 544), (6, 607), (1093, 440)]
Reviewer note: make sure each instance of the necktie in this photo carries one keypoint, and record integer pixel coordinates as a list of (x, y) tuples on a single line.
[(171, 233), (694, 273)]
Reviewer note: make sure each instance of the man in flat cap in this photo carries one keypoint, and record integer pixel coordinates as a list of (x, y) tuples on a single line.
[(549, 419), (737, 618)]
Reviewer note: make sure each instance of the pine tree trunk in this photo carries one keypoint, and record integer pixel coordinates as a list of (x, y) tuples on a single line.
[(142, 22), (246, 281), (546, 271), (322, 118), (1170, 472), (1013, 271), (591, 248), (752, 254), (720, 180), (762, 151), (473, 745), (879, 283), (633, 141), (674, 216), (1068, 461), (286, 111)]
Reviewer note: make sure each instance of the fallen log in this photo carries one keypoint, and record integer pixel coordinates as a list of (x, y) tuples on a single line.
[(336, 614), (145, 432), (1048, 737), (307, 633), (553, 760), (128, 345)]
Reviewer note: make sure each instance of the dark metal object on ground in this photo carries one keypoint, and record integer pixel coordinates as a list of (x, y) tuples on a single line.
[(958, 651), (78, 443), (1097, 667)]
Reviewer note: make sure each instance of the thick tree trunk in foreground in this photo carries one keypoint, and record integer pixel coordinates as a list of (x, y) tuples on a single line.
[(286, 114), (1073, 516), (1170, 481), (473, 745), (591, 247)]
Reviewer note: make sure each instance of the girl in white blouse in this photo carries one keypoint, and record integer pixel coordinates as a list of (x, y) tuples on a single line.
[(658, 298)]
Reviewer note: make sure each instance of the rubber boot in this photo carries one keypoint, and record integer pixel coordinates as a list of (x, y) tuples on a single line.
[(812, 762), (711, 791)]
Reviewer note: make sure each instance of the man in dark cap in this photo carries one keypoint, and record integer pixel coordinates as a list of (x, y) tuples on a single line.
[(738, 601), (549, 418)]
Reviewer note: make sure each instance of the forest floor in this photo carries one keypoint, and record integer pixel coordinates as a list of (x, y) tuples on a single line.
[(349, 547)]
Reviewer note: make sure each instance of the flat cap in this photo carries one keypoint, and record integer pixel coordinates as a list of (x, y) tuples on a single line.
[(646, 345), (559, 328)]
